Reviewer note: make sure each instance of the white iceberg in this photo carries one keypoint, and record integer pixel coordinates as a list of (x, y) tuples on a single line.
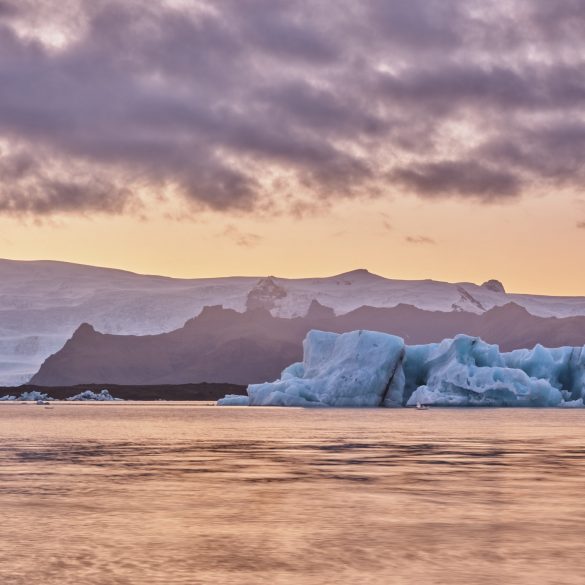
[(234, 400), (466, 371), (103, 396), (365, 368), (34, 396), (563, 367), (7, 398), (349, 369)]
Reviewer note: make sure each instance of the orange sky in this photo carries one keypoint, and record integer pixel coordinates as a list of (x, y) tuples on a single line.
[(443, 139), (531, 245)]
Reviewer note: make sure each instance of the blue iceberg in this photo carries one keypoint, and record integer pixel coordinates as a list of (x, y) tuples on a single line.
[(368, 369), (89, 395)]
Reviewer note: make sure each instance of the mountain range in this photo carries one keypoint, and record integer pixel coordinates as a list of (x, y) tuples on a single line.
[(44, 303), (223, 345)]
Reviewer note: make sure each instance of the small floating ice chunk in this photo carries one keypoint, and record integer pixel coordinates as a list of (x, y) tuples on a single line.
[(234, 400), (103, 396), (34, 396)]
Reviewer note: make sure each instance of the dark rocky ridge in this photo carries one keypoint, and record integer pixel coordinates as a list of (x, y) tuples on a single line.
[(494, 285), (222, 345), (265, 294)]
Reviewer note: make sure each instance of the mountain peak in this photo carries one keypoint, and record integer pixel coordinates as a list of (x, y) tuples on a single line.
[(360, 274), (265, 294), (319, 311), (84, 330), (494, 285), (509, 311)]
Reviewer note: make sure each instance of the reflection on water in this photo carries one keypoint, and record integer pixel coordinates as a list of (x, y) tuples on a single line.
[(182, 494)]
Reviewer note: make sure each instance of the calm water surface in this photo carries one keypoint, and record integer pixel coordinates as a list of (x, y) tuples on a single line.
[(168, 494)]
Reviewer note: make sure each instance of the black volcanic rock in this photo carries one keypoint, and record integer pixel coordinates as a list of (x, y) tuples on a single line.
[(222, 345), (494, 285), (265, 294)]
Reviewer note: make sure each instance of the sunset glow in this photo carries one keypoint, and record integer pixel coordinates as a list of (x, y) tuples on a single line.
[(207, 139)]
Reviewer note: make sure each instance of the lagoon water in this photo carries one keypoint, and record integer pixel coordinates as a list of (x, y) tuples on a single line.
[(177, 493)]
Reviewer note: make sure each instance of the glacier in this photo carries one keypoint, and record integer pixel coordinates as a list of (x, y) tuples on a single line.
[(371, 369)]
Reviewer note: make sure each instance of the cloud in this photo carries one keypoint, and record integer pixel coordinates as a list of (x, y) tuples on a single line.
[(419, 240), (7, 9), (243, 239), (386, 223), (116, 106), (459, 178)]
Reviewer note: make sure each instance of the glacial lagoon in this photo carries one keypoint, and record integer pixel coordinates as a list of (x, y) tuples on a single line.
[(184, 493)]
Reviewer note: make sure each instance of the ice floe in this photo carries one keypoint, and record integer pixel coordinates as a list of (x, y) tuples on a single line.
[(234, 400), (103, 396), (43, 398), (28, 396), (34, 396)]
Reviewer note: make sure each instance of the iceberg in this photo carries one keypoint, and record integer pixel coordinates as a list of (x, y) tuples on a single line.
[(368, 369), (563, 367), (234, 400), (466, 371), (348, 369), (103, 396), (42, 398), (34, 396)]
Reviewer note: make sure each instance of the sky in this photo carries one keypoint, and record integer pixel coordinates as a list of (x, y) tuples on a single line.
[(438, 139)]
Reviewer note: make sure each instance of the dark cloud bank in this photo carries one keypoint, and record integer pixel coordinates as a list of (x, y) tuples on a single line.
[(269, 104)]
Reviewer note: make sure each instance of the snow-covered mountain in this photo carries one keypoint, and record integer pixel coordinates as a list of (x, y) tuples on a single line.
[(43, 302)]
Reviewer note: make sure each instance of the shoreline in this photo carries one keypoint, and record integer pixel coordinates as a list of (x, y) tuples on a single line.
[(202, 392)]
